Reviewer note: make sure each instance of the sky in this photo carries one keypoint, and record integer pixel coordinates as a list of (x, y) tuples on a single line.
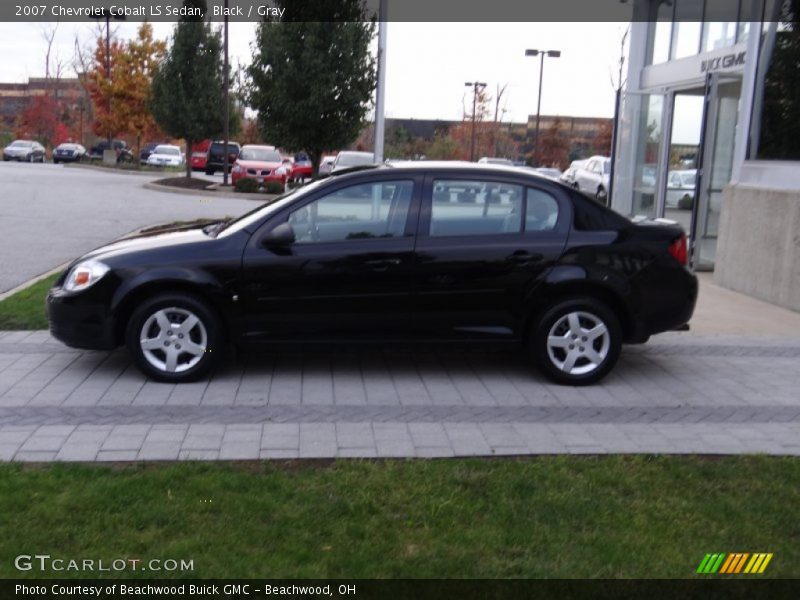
[(427, 63)]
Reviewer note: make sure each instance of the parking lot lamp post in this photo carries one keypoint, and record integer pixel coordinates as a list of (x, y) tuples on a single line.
[(474, 85), (226, 94), (541, 54)]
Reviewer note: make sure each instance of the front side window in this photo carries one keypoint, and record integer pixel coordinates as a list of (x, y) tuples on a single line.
[(475, 208), (365, 211)]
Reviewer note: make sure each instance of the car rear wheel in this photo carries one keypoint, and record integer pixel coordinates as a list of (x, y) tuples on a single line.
[(577, 341), (174, 337), (602, 195)]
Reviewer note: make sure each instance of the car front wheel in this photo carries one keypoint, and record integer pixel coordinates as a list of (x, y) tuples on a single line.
[(577, 341), (174, 337), (602, 196)]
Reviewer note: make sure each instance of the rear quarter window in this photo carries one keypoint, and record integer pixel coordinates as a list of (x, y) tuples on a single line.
[(588, 215)]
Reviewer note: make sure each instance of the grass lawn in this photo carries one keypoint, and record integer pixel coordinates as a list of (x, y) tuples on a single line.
[(562, 517), (25, 309)]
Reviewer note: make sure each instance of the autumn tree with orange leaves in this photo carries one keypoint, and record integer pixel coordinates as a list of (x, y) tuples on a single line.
[(121, 88)]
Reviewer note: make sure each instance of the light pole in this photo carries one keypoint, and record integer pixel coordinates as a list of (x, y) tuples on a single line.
[(474, 85), (226, 98), (541, 54)]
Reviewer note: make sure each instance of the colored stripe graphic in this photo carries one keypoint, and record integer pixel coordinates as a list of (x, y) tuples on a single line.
[(734, 563)]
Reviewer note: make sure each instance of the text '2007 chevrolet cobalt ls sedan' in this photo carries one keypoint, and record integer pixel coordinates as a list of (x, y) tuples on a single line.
[(411, 252)]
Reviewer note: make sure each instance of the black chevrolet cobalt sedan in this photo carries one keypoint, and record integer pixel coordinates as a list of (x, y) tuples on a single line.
[(436, 252)]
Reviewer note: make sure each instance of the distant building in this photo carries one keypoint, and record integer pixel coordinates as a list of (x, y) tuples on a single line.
[(14, 98)]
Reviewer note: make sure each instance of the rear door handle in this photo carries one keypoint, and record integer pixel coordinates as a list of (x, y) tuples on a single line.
[(521, 257), (382, 264)]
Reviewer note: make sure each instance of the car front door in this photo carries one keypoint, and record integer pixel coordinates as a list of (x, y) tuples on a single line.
[(483, 245), (347, 272)]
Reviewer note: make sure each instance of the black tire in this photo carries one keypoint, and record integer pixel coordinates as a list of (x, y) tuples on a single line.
[(181, 303), (589, 312), (602, 196), (210, 171), (30, 158)]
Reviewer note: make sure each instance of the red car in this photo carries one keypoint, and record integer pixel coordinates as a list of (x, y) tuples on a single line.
[(302, 167), (262, 163), (199, 152)]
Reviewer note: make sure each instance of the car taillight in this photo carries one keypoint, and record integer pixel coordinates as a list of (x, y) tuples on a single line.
[(679, 250)]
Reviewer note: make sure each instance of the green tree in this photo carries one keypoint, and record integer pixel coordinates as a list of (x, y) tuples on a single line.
[(187, 86), (311, 81)]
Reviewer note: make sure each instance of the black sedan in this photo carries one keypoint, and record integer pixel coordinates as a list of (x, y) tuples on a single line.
[(442, 252), (69, 152)]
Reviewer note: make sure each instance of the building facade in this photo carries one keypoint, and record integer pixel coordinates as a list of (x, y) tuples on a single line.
[(719, 77)]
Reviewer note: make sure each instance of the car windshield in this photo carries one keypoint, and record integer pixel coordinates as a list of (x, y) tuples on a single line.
[(688, 179), (218, 147), (19, 144), (606, 167), (169, 150), (354, 158), (254, 216), (260, 154)]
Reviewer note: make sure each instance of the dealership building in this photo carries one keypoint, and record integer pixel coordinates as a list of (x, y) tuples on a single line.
[(720, 78)]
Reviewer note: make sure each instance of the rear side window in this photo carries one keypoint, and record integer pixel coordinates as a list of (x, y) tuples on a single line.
[(471, 207), (541, 211), (590, 216)]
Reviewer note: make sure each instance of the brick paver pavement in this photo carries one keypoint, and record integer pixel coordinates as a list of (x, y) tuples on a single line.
[(680, 393)]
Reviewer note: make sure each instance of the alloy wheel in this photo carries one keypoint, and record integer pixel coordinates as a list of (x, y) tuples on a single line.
[(578, 343), (173, 340)]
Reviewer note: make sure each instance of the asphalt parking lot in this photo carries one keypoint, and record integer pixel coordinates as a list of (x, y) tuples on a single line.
[(51, 214)]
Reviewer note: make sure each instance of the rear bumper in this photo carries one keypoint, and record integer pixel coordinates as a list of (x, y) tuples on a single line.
[(78, 324), (669, 308)]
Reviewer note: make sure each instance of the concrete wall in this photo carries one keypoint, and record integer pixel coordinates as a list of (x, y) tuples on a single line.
[(758, 249)]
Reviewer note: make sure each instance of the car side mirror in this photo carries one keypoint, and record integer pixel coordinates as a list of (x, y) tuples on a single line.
[(281, 236)]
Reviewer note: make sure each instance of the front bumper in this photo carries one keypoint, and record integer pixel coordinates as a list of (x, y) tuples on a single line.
[(79, 324)]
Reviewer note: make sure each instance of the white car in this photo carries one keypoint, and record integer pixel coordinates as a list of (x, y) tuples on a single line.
[(165, 155), (490, 160), (350, 158), (593, 177), (680, 184), (326, 164)]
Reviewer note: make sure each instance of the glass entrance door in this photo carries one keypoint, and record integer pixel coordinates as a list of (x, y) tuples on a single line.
[(715, 164)]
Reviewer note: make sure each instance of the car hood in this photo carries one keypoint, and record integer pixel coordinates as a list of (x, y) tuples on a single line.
[(257, 164), (177, 236), (164, 156), (10, 150)]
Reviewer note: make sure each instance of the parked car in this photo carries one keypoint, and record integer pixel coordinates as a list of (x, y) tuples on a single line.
[(680, 184), (165, 155), (550, 172), (199, 155), (68, 152), (146, 151), (378, 254), (347, 159), (489, 160), (302, 167), (592, 177), (215, 158), (326, 164), (568, 176), (96, 151), (24, 151), (262, 163)]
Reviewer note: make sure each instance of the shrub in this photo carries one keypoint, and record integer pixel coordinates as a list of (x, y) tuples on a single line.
[(246, 185), (273, 187), (686, 202)]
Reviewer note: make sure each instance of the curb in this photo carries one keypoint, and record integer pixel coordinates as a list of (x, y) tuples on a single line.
[(26, 284), (111, 170), (154, 185)]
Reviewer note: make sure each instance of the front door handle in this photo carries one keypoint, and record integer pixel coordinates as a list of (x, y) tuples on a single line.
[(522, 257)]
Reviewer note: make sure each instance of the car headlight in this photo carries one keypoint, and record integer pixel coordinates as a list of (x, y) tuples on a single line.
[(84, 275), (237, 169), (280, 171)]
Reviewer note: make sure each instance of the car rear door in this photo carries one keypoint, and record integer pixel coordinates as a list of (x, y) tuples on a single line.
[(484, 243), (348, 272)]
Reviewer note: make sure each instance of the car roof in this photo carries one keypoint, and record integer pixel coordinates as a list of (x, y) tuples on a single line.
[(445, 165)]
